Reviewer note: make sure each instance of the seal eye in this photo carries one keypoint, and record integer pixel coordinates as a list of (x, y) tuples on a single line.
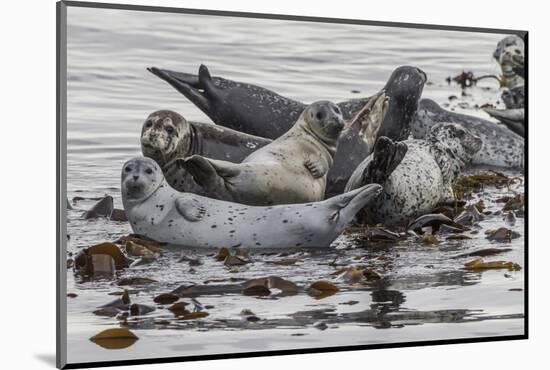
[(149, 171), (319, 115), (128, 169), (148, 124), (169, 129)]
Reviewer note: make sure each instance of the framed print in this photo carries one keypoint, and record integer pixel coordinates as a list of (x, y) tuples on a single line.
[(235, 184)]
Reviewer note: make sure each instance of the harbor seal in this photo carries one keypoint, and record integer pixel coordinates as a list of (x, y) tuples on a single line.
[(258, 111), (166, 135), (501, 147), (423, 177), (292, 169), (159, 212), (510, 55)]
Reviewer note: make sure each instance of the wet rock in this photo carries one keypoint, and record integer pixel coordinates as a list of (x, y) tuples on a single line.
[(503, 235), (166, 298), (102, 266), (103, 208), (122, 303), (274, 282), (107, 311), (349, 303), (140, 309), (72, 295), (235, 261), (510, 218), (193, 315), (430, 239), (353, 275), (117, 338), (446, 229), (256, 290), (321, 325), (458, 237), (119, 215), (199, 290)]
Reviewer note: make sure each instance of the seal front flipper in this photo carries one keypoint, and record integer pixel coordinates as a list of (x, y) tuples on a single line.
[(190, 208), (386, 157), (316, 167), (188, 90), (209, 173)]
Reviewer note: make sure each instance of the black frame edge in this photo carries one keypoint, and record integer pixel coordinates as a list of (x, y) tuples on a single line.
[(61, 359)]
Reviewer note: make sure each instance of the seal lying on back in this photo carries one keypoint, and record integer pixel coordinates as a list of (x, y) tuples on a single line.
[(421, 180), (258, 111), (501, 147), (166, 135), (292, 169), (159, 212)]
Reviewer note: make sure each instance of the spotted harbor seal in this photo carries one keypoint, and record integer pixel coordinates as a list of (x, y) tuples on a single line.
[(166, 135), (501, 147), (292, 169), (510, 55), (159, 212), (423, 177), (258, 111)]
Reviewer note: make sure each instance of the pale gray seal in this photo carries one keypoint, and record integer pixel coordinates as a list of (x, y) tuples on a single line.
[(166, 135), (159, 212), (422, 179), (292, 169), (501, 147)]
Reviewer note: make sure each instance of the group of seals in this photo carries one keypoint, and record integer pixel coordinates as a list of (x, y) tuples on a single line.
[(258, 111), (166, 136), (423, 177), (158, 211), (270, 161), (292, 169)]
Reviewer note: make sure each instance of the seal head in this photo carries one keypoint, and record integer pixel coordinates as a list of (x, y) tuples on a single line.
[(140, 178), (324, 120), (165, 134)]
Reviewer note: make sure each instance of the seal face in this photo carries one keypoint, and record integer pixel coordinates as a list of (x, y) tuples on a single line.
[(166, 136), (501, 147), (156, 210), (424, 176), (292, 169), (510, 54)]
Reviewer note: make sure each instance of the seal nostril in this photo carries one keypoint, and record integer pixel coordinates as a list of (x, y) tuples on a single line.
[(135, 177)]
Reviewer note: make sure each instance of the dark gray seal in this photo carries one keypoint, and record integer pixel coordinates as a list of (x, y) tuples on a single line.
[(166, 135), (258, 111), (418, 174), (501, 147)]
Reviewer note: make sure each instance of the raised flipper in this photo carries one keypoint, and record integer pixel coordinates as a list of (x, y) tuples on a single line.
[(316, 167), (190, 90), (209, 173), (190, 208), (369, 119), (387, 155), (511, 118)]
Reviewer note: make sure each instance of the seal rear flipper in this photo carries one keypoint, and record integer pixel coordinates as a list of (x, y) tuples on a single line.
[(348, 204), (188, 90), (387, 155), (209, 173), (511, 118), (190, 208)]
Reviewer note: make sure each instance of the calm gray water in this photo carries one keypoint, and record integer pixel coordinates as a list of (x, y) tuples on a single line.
[(424, 295)]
